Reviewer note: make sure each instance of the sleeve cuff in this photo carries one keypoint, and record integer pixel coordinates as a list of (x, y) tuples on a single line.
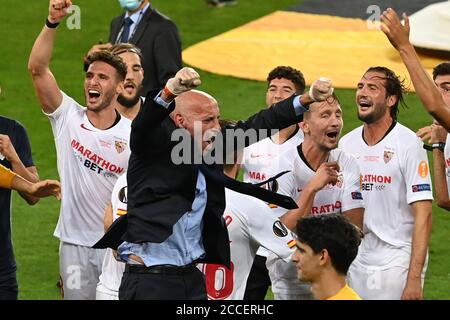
[(298, 107), (161, 102)]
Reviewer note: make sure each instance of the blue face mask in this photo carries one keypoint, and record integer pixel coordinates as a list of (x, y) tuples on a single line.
[(130, 5)]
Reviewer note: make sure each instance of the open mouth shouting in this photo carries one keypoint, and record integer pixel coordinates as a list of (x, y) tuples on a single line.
[(93, 96), (364, 104), (333, 135)]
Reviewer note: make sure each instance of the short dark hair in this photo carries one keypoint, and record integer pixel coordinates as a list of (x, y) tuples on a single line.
[(333, 232), (441, 69), (289, 73), (394, 87), (120, 48), (113, 60)]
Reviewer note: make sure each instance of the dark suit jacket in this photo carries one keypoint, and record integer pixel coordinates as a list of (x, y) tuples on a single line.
[(157, 37), (160, 192)]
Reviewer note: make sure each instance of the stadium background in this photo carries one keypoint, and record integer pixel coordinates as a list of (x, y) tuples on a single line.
[(36, 249)]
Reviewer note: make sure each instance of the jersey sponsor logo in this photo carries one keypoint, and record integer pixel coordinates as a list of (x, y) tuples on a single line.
[(423, 169), (369, 182), (257, 175), (120, 146), (272, 206), (447, 171), (447, 162), (387, 156), (357, 196), (279, 229), (327, 208), (93, 161), (421, 187), (84, 127)]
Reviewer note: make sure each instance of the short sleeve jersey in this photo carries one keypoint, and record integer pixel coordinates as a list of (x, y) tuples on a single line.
[(394, 174), (90, 161), (343, 196)]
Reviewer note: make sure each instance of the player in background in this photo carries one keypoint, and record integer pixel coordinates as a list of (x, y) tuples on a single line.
[(396, 187), (323, 180), (326, 246), (92, 150), (260, 161)]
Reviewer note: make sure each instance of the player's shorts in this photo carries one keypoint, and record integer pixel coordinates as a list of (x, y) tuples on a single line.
[(103, 293), (79, 268), (379, 282)]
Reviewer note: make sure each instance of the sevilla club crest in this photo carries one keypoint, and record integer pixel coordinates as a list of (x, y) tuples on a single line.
[(120, 146), (387, 156)]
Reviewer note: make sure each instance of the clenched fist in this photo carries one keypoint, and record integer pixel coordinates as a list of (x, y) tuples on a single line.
[(186, 79), (58, 9), (321, 89)]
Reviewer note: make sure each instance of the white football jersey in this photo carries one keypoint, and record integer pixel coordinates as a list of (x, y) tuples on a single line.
[(112, 270), (394, 174), (89, 163), (250, 225), (343, 196), (261, 160)]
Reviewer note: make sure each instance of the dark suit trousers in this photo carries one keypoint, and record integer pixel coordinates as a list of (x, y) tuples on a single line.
[(148, 286)]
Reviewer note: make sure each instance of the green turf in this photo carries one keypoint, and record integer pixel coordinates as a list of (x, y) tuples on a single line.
[(35, 248)]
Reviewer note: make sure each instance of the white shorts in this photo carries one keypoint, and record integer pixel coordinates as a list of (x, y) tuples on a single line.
[(104, 293), (79, 268), (379, 283)]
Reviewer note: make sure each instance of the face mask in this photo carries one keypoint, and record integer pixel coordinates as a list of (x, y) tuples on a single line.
[(130, 5)]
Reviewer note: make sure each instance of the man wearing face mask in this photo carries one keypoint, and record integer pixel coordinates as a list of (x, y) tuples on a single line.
[(155, 35)]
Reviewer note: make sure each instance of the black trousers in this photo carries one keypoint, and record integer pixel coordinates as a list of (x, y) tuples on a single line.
[(141, 285), (258, 281), (8, 293)]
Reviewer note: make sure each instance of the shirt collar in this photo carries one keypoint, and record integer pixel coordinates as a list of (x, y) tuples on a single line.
[(135, 16)]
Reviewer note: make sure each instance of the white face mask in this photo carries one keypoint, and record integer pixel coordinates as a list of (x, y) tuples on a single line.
[(130, 5)]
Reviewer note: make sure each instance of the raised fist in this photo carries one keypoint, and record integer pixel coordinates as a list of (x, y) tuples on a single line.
[(58, 9), (186, 79), (321, 89)]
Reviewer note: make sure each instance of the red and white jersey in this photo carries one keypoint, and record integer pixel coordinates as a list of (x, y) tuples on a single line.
[(112, 270), (343, 196), (89, 163), (447, 162), (261, 160), (250, 225), (394, 174)]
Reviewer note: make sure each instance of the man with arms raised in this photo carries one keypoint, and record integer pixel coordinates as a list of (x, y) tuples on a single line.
[(92, 149)]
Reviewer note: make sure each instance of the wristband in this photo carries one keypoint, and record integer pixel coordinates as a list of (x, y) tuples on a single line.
[(6, 177), (439, 145), (50, 24)]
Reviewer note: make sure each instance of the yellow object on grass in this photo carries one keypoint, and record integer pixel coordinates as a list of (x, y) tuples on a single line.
[(341, 49)]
